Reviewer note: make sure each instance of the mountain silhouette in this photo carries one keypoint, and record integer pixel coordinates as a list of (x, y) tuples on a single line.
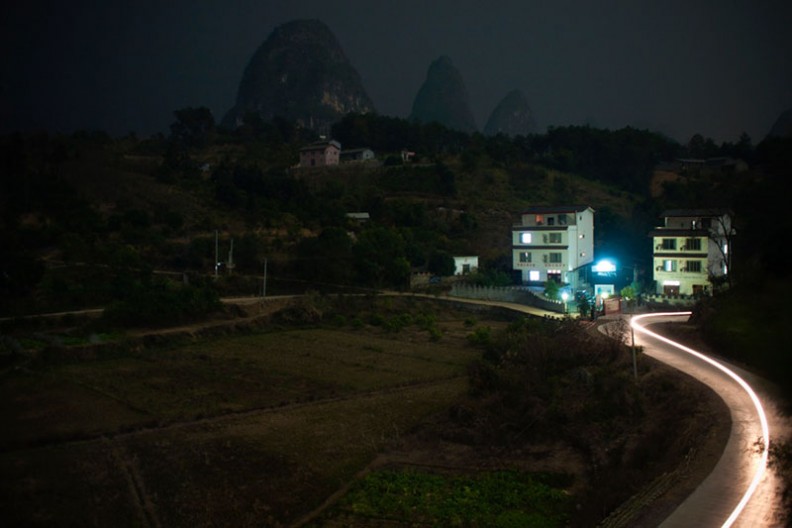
[(443, 98), (511, 117), (300, 73)]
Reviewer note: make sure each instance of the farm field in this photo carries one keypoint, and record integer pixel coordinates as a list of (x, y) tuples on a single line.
[(246, 430)]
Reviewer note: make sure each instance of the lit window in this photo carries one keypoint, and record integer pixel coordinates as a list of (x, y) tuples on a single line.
[(539, 219), (525, 238), (669, 265), (533, 275)]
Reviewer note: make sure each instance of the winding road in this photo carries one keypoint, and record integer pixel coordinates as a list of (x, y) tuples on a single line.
[(741, 491)]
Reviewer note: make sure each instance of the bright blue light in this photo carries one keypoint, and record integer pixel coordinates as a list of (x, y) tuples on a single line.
[(604, 266)]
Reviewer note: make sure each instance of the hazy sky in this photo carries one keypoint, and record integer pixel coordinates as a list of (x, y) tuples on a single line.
[(680, 67)]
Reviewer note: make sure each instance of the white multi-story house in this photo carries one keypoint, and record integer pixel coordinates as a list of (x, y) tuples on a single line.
[(691, 250), (553, 243)]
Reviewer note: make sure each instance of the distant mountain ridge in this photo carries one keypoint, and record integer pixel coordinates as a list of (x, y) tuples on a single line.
[(443, 98), (512, 117), (300, 73)]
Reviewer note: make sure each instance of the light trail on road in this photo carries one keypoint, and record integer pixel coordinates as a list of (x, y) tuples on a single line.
[(762, 464)]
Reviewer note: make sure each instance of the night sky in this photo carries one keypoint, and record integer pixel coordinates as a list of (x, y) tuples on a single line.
[(712, 67)]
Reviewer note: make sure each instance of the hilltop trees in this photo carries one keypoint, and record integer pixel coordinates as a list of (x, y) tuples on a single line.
[(624, 158)]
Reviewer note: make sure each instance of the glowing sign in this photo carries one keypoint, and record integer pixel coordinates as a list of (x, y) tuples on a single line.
[(604, 266)]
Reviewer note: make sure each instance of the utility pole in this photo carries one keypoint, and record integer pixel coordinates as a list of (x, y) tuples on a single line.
[(264, 283), (216, 263), (230, 263)]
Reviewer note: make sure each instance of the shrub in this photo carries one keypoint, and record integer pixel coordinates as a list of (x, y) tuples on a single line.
[(481, 336), (159, 302)]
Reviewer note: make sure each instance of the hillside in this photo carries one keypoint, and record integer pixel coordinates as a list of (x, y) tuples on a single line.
[(87, 201), (155, 203)]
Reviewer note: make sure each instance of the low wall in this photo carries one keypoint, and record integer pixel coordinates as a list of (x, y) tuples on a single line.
[(512, 294)]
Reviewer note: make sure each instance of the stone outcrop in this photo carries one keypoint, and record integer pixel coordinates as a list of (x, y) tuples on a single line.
[(300, 73), (512, 117), (443, 98)]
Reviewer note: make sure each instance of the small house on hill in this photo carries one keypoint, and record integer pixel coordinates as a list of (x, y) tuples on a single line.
[(320, 154), (358, 154)]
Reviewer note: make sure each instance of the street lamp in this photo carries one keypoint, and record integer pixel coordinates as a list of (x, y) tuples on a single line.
[(564, 297)]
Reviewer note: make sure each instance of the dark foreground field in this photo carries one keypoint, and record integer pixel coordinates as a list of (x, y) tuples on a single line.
[(362, 413)]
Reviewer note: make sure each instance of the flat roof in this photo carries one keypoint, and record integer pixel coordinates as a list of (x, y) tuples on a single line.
[(545, 209)]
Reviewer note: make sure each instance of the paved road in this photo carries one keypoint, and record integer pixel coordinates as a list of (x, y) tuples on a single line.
[(716, 500)]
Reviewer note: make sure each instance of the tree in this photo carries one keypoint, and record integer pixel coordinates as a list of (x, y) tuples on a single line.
[(380, 258), (584, 303), (701, 148), (551, 290), (326, 258), (721, 235), (441, 263), (193, 127)]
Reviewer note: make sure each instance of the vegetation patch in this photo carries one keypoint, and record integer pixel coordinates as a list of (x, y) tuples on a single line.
[(501, 499)]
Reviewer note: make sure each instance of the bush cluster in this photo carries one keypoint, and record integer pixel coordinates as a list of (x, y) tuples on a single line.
[(160, 302)]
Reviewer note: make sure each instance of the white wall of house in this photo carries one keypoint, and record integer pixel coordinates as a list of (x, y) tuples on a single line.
[(690, 248), (553, 243), (465, 265)]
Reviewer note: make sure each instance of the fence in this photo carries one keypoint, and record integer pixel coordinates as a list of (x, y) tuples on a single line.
[(512, 294)]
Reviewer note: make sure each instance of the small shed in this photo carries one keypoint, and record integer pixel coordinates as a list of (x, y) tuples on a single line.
[(358, 154), (465, 265)]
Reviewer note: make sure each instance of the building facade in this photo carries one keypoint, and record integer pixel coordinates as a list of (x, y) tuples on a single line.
[(320, 154), (553, 243), (691, 251)]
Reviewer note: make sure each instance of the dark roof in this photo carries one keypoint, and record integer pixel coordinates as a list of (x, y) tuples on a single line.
[(663, 231), (321, 145), (547, 209)]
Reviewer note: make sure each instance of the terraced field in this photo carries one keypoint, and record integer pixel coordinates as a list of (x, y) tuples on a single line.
[(255, 429)]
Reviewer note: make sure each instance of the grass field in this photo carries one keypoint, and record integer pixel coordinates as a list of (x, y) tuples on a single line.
[(247, 430)]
